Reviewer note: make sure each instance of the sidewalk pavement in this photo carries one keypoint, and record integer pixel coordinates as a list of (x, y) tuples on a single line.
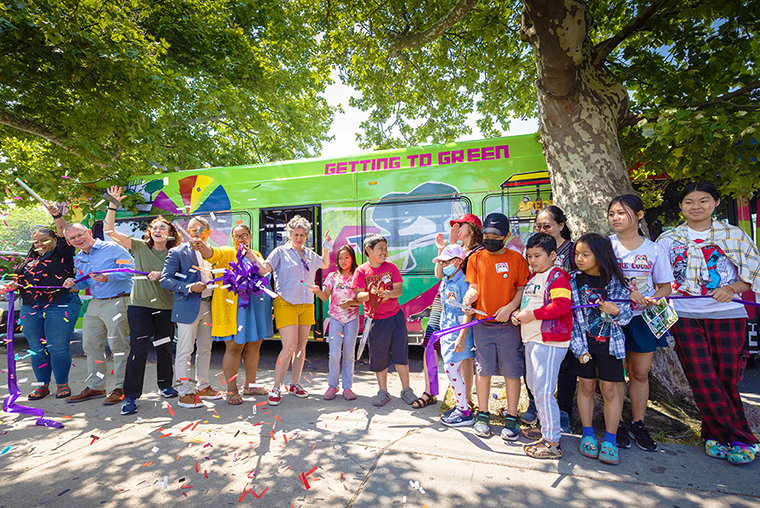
[(364, 457)]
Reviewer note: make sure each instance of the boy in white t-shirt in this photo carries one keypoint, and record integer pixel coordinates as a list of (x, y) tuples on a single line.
[(546, 321)]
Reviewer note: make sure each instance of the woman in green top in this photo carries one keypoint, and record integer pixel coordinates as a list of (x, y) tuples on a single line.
[(150, 306)]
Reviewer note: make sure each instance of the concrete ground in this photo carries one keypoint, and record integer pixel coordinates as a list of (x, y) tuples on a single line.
[(364, 457)]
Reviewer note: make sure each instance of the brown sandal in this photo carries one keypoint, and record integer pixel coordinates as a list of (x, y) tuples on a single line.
[(532, 433), (424, 400), (234, 399), (255, 391), (543, 449)]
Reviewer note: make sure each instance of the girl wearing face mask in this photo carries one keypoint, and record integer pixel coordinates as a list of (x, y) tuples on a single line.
[(48, 316), (465, 231)]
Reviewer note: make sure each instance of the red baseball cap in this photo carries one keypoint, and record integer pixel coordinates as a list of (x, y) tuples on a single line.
[(468, 217)]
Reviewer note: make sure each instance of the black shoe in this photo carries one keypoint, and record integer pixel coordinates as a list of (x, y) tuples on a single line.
[(640, 434), (623, 441)]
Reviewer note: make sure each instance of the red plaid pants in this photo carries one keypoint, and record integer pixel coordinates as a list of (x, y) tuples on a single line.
[(710, 352)]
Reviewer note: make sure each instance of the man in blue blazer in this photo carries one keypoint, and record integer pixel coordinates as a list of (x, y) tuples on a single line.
[(192, 313)]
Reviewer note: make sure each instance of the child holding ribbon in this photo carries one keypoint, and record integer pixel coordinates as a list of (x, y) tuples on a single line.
[(646, 268), (455, 348), (545, 319), (718, 261), (344, 322), (597, 339)]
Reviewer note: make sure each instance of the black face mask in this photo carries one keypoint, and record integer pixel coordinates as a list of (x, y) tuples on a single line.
[(493, 245)]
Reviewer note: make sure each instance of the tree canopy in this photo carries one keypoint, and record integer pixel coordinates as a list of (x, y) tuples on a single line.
[(98, 90), (690, 67)]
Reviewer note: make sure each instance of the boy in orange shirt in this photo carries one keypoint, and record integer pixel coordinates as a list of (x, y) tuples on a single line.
[(497, 277)]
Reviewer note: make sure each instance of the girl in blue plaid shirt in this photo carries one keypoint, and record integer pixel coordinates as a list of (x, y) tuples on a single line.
[(597, 340)]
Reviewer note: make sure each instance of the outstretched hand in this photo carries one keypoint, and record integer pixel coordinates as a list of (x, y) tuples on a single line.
[(115, 192)]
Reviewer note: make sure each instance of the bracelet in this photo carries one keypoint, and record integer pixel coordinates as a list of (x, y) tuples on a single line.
[(112, 209), (729, 287), (58, 216)]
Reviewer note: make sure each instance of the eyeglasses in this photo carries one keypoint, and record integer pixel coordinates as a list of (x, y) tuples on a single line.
[(243, 236), (77, 237), (543, 227)]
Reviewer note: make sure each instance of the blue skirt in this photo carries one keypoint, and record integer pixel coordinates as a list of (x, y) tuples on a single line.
[(254, 323)]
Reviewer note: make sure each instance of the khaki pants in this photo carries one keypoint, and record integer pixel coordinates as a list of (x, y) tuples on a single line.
[(101, 323), (188, 335)]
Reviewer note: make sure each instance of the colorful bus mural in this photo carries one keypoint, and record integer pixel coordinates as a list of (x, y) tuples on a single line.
[(408, 195)]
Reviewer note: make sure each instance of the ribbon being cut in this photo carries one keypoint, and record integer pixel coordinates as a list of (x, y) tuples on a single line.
[(244, 280), (9, 403), (432, 365)]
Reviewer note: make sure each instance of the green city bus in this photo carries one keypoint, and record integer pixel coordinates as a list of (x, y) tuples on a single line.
[(408, 195)]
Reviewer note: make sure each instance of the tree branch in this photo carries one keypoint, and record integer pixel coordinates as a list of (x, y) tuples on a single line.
[(603, 49), (18, 122), (726, 96), (451, 18)]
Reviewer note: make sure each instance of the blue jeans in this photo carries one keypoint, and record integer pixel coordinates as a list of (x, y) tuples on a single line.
[(342, 347), (49, 337)]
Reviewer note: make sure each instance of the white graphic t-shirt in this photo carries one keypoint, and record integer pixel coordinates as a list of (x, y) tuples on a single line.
[(643, 267)]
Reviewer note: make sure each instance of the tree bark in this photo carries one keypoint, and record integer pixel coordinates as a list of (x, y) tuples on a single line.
[(580, 110)]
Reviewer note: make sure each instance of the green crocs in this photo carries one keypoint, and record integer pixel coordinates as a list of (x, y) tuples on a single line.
[(589, 447), (609, 453), (716, 449), (741, 454)]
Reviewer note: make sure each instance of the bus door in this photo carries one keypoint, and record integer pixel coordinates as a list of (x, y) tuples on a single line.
[(272, 234)]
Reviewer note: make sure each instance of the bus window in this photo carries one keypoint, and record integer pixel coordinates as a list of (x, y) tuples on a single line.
[(410, 227), (521, 204), (272, 223)]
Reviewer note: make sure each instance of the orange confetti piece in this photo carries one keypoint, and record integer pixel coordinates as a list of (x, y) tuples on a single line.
[(272, 434), (196, 424), (277, 418), (221, 379), (261, 403), (147, 464), (354, 409), (169, 407), (186, 487), (268, 412), (306, 379), (241, 497), (312, 448), (232, 378), (196, 465), (205, 473), (187, 427), (65, 417), (258, 496), (178, 456), (285, 437)]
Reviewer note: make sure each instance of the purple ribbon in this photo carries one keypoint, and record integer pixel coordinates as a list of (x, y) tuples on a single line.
[(244, 280), (676, 297), (9, 404), (432, 365)]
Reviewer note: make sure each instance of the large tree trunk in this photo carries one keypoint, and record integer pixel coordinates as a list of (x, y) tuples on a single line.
[(580, 110)]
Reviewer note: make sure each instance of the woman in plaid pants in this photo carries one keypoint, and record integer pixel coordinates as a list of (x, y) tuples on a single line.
[(719, 262)]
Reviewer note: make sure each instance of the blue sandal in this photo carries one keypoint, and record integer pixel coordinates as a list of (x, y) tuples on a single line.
[(716, 449), (741, 454), (589, 447), (609, 453)]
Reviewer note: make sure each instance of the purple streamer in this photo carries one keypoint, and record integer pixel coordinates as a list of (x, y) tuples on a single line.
[(432, 365), (9, 404), (244, 280), (676, 297)]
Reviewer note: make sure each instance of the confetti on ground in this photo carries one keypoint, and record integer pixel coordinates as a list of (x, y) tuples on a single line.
[(147, 464), (94, 438), (169, 407)]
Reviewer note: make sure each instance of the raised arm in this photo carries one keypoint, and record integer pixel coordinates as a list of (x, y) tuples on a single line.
[(60, 222), (110, 222)]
